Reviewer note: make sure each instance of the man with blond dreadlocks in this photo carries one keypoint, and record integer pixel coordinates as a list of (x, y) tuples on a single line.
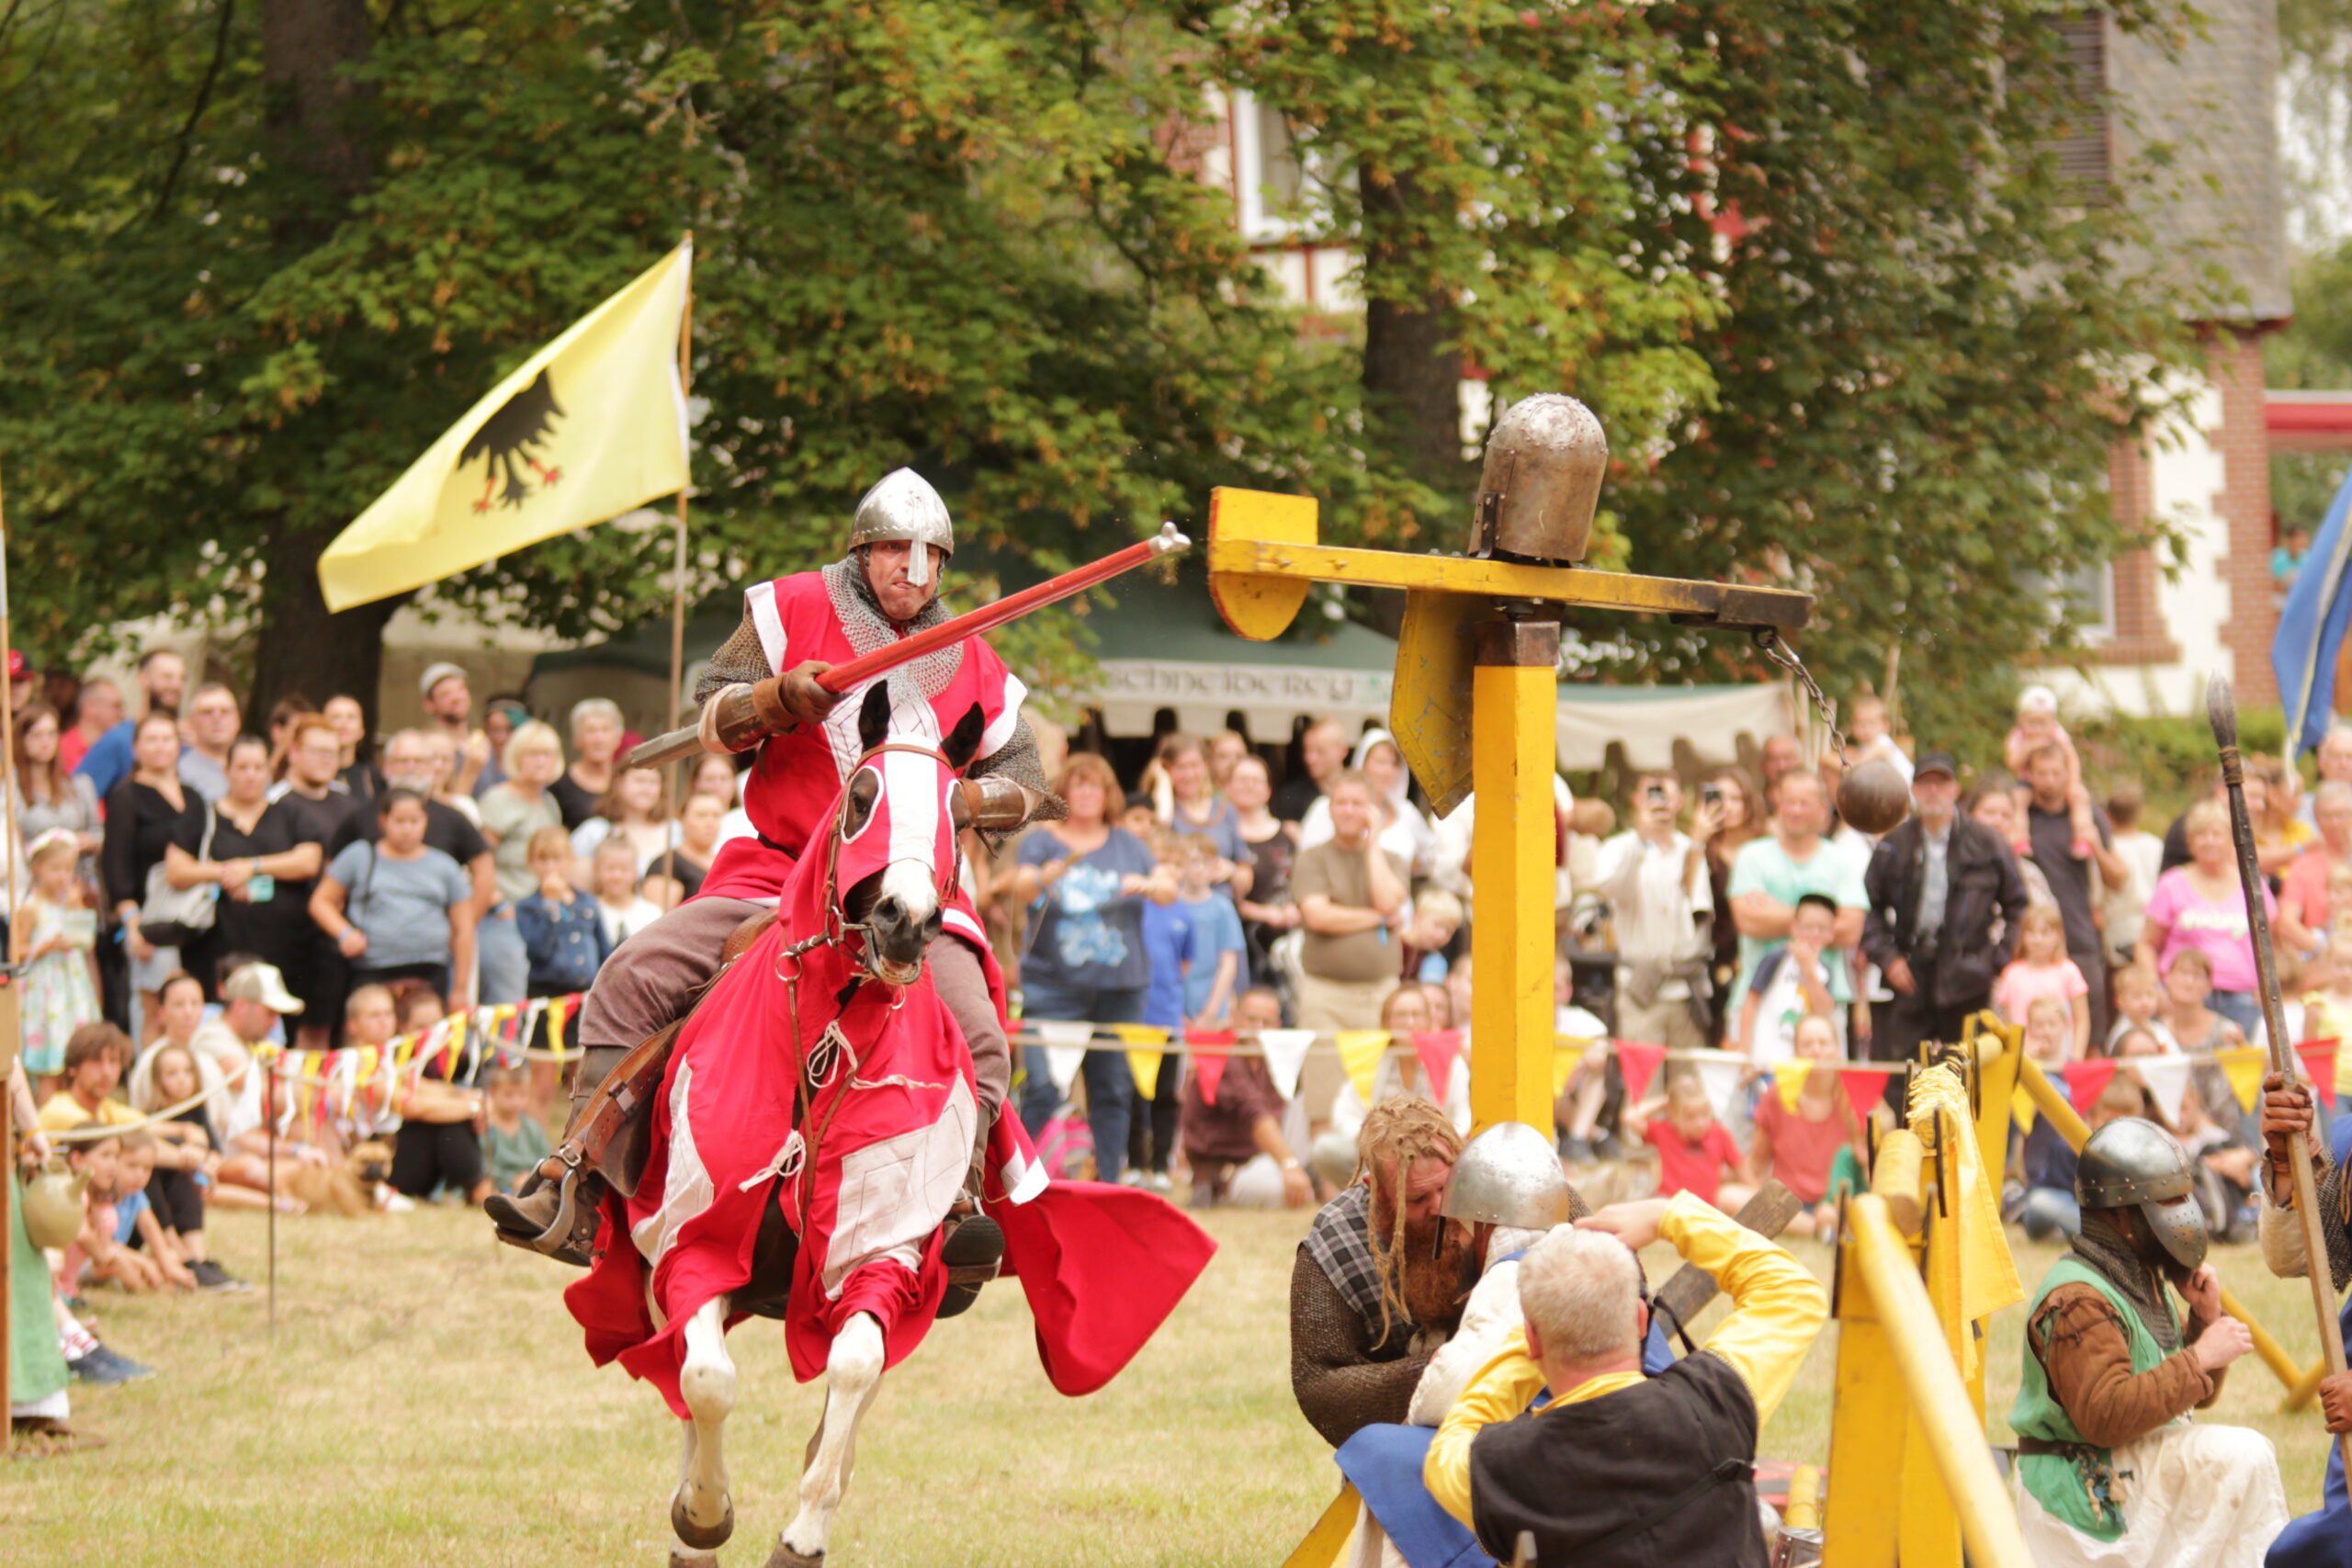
[(1379, 1280)]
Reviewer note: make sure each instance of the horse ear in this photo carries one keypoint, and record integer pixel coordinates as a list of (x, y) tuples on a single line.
[(874, 718), (964, 739)]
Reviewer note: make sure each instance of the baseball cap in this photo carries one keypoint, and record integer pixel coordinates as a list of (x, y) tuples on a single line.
[(261, 983), (437, 674), (19, 666), (2037, 699), (1937, 762)]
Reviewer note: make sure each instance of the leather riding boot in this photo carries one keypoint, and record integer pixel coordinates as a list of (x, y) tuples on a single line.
[(531, 1210), (973, 1249)]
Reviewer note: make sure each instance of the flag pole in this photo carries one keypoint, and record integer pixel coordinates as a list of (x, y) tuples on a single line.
[(678, 564)]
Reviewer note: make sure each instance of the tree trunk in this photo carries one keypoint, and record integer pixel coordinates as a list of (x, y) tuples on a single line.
[(306, 650), (317, 130), (1412, 371)]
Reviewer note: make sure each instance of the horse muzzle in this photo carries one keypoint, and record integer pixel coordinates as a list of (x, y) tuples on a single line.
[(896, 940)]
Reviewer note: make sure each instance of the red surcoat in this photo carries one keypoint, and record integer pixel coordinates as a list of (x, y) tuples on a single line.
[(799, 774)]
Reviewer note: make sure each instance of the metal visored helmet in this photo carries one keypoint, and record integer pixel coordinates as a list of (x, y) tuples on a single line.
[(1508, 1175), (2132, 1163), (1544, 463), (902, 505)]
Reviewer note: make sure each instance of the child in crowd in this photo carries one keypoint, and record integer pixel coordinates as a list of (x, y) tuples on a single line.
[(437, 1145), (2043, 1200), (1169, 939), (618, 906), (1437, 917), (1694, 1153), (561, 932), (136, 1224), (1217, 968), (1812, 1149), (2140, 1042), (56, 935), (1791, 985), (2037, 726), (185, 1154), (1871, 737), (514, 1139), (2139, 1004), (95, 1254), (2042, 969)]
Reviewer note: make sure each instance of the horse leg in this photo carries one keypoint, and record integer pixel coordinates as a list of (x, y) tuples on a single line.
[(853, 1374), (681, 1554), (701, 1512)]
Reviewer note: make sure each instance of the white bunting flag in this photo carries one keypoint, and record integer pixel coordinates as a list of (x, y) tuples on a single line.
[(1285, 1051)]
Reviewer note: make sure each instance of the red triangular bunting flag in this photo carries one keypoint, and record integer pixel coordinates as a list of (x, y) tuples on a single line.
[(1639, 1064), (2086, 1081), (1865, 1089), (1210, 1065), (2318, 1066), (1437, 1048)]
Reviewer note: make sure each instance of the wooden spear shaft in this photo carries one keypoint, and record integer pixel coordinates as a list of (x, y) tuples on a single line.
[(2221, 712)]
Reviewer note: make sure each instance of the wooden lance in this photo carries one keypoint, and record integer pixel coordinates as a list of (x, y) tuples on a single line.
[(678, 743), (2222, 711)]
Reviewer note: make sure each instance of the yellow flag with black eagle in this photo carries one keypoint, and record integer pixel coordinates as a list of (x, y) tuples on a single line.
[(590, 427)]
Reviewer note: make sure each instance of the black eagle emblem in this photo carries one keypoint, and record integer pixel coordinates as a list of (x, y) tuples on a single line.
[(507, 439)]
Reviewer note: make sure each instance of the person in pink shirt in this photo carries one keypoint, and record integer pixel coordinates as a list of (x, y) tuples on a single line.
[(2305, 889), (2042, 969), (2200, 905)]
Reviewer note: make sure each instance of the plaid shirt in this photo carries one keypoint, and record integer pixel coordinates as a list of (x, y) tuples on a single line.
[(1340, 1243)]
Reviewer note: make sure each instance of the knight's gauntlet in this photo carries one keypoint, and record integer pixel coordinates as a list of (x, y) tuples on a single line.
[(994, 803), (740, 717)]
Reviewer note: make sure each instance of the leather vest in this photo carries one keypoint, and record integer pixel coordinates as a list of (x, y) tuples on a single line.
[(1660, 1471)]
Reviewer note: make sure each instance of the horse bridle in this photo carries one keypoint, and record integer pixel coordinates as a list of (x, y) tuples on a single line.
[(838, 926)]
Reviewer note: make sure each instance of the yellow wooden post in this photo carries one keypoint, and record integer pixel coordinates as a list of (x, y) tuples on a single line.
[(1869, 1430), (1513, 693), (1931, 1531)]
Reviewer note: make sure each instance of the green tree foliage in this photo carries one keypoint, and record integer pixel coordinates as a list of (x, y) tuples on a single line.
[(2315, 353), (945, 233)]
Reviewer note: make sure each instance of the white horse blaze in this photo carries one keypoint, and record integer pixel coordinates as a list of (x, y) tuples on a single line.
[(853, 1374)]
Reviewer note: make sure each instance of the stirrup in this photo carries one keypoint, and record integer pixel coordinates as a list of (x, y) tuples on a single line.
[(974, 1254), (567, 1238)]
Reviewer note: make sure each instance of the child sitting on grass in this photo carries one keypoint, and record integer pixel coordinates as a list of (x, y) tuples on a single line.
[(1811, 1150), (1694, 1153), (512, 1137), (2042, 969), (136, 1226), (94, 1255)]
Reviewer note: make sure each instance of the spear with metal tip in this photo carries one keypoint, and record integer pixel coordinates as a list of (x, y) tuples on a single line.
[(2221, 712)]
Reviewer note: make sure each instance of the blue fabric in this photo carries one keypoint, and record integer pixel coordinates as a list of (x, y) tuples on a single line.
[(1109, 1086), (108, 760), (566, 942), (125, 1216), (1383, 1463), (2051, 1211), (1085, 933), (2311, 628), (1657, 1351), (2324, 1539), (1216, 931), (1168, 942)]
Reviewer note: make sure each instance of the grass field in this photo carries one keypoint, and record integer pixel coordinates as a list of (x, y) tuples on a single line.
[(424, 1401)]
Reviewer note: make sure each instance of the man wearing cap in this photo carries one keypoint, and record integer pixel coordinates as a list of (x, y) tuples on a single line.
[(450, 705), (2110, 1469), (884, 589), (1940, 887), (254, 1001), (1621, 1468)]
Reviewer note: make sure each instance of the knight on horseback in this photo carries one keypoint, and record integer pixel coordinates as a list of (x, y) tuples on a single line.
[(760, 692)]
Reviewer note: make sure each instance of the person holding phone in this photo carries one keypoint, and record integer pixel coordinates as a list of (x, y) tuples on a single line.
[(1654, 877)]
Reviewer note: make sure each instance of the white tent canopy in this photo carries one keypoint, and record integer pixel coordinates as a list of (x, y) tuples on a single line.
[(1647, 720)]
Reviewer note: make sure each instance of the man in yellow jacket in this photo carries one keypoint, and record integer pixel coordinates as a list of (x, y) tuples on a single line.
[(1617, 1468)]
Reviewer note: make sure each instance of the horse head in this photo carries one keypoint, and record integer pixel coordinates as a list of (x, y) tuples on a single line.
[(894, 852)]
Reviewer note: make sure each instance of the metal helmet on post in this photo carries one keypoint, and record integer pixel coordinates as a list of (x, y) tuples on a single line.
[(2132, 1163), (1545, 459), (902, 505), (1508, 1175)]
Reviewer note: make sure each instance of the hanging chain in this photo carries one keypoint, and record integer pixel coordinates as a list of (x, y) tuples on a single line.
[(1767, 640)]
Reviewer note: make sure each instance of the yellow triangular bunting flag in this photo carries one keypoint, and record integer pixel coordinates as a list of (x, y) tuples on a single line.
[(2244, 1067), (1360, 1052), (1789, 1079), (1145, 1065), (1140, 1033)]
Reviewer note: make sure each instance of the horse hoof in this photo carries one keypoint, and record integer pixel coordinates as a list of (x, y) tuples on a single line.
[(696, 1536), (785, 1557)]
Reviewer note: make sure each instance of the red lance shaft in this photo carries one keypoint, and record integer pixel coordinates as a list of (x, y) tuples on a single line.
[(680, 743)]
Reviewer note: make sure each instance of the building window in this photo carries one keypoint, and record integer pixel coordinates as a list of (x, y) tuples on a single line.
[(1269, 181), (2084, 140), (2083, 599)]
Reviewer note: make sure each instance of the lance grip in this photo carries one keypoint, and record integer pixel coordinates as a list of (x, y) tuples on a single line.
[(2221, 714)]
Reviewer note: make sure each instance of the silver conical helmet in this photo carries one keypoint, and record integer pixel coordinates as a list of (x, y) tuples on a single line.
[(902, 505), (2132, 1163), (1508, 1175)]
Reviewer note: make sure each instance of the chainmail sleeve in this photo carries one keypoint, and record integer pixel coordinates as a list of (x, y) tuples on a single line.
[(1340, 1380), (740, 659)]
